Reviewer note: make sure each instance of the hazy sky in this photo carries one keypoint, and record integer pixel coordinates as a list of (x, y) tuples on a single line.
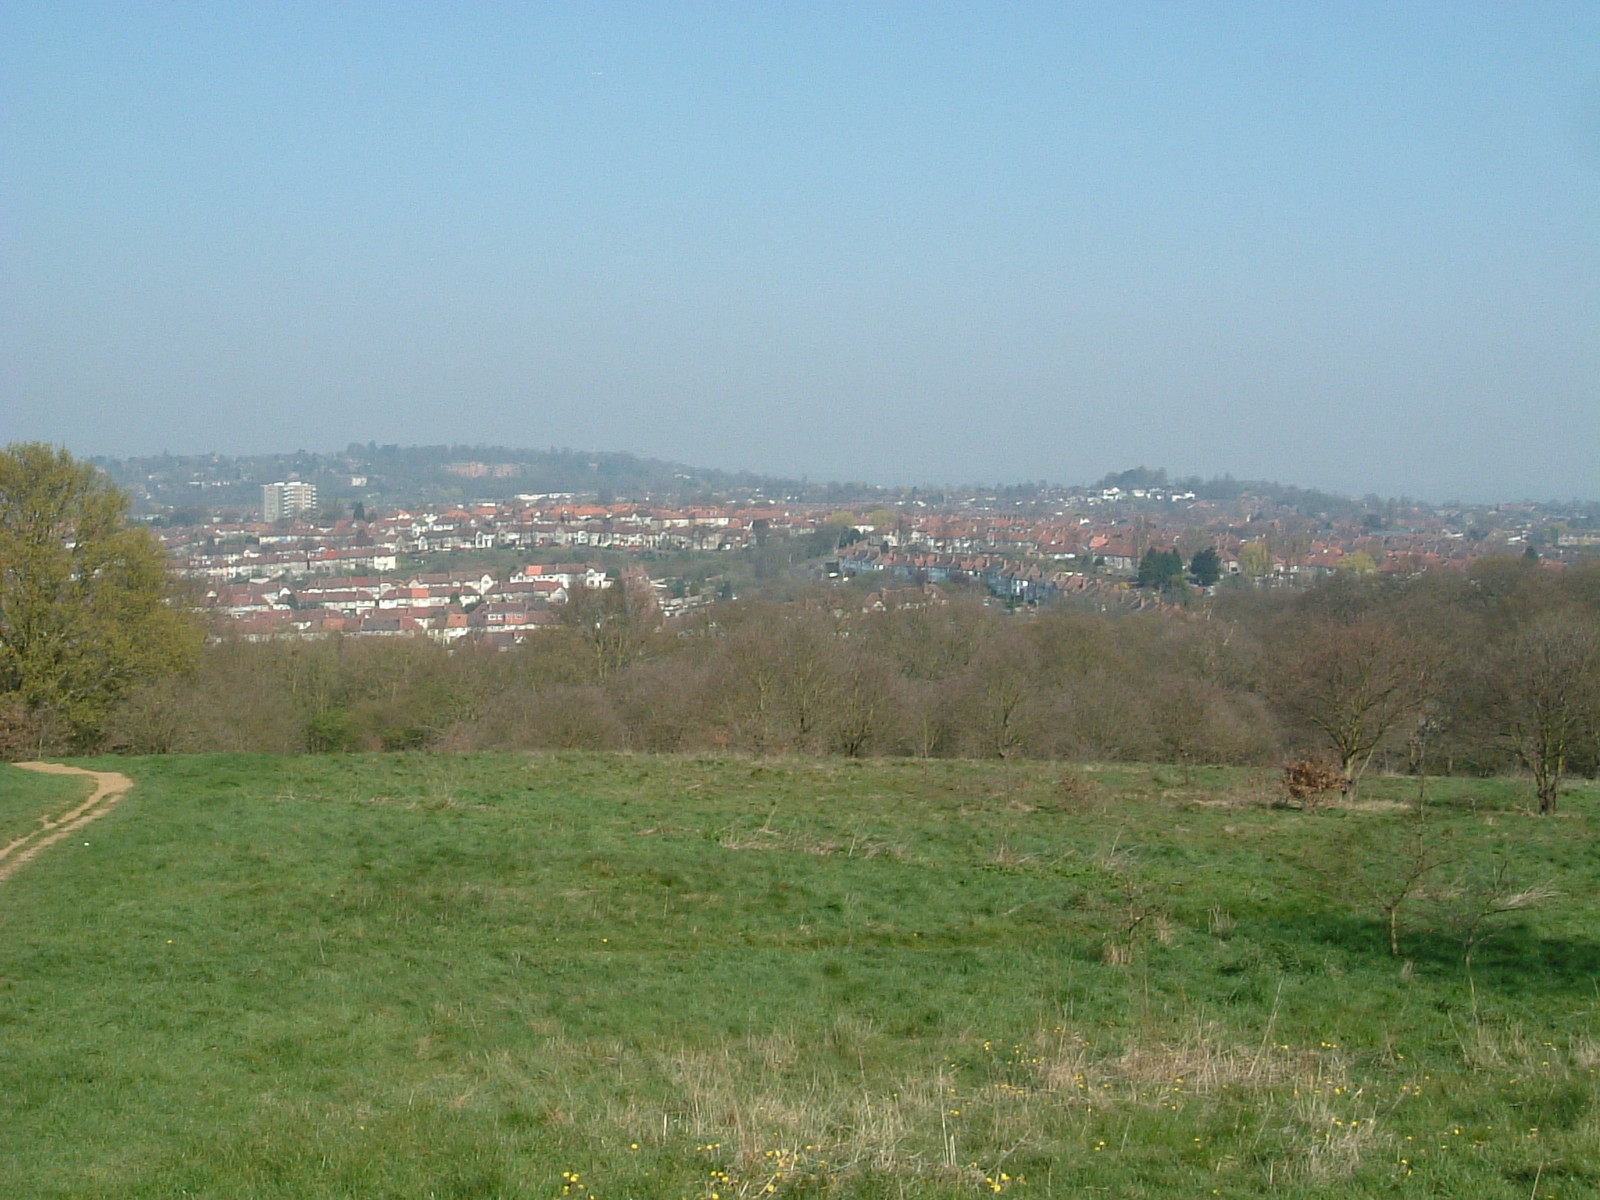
[(1354, 246)]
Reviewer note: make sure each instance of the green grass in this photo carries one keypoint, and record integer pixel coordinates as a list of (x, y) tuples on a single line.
[(26, 796), (431, 976)]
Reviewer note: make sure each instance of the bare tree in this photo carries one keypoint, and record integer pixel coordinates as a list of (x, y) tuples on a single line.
[(1544, 688), (809, 648), (864, 707), (1384, 867), (780, 677), (1474, 907), (1000, 698), (616, 623), (1356, 683)]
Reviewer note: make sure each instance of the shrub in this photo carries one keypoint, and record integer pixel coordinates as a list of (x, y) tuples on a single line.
[(1309, 780)]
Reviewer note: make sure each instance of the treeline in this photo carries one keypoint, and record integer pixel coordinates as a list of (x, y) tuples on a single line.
[(1477, 672)]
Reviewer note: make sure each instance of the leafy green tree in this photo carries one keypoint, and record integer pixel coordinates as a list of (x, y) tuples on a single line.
[(1255, 560), (1160, 569), (1358, 562), (1206, 566), (87, 602)]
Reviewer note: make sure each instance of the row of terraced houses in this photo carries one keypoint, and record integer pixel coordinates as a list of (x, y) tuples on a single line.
[(286, 577)]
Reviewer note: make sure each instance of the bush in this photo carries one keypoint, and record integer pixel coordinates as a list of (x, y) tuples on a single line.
[(1309, 781)]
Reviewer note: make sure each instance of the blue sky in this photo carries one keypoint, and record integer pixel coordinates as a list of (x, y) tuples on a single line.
[(1343, 245)]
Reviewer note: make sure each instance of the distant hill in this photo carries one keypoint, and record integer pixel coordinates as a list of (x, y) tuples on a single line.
[(412, 474), (401, 475)]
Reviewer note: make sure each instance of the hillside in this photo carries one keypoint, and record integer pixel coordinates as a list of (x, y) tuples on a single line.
[(615, 975), (422, 474)]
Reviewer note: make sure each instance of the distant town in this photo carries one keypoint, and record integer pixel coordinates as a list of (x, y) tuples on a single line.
[(440, 543)]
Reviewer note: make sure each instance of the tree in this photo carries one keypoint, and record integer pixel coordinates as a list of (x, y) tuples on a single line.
[(1384, 866), (863, 708), (1544, 685), (87, 602), (1358, 562), (1160, 569), (1255, 560), (1356, 683), (615, 623), (1000, 706), (1206, 566)]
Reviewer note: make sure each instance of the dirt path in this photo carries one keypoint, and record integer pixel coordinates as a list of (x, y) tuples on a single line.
[(109, 787)]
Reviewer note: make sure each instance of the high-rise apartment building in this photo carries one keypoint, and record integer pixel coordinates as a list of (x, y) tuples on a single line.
[(282, 500)]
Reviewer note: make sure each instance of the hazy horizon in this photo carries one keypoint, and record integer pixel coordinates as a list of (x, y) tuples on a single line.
[(1351, 247), (1095, 479)]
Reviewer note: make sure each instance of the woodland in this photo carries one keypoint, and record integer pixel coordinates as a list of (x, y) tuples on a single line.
[(1491, 670)]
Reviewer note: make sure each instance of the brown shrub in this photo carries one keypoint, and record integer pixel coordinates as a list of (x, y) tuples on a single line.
[(1309, 781)]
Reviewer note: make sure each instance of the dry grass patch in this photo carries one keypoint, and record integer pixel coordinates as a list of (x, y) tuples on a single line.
[(1066, 1064), (765, 1108), (1007, 858), (796, 841), (1324, 1125)]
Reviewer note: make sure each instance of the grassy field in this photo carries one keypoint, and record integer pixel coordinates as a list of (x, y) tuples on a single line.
[(26, 797), (617, 976)]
